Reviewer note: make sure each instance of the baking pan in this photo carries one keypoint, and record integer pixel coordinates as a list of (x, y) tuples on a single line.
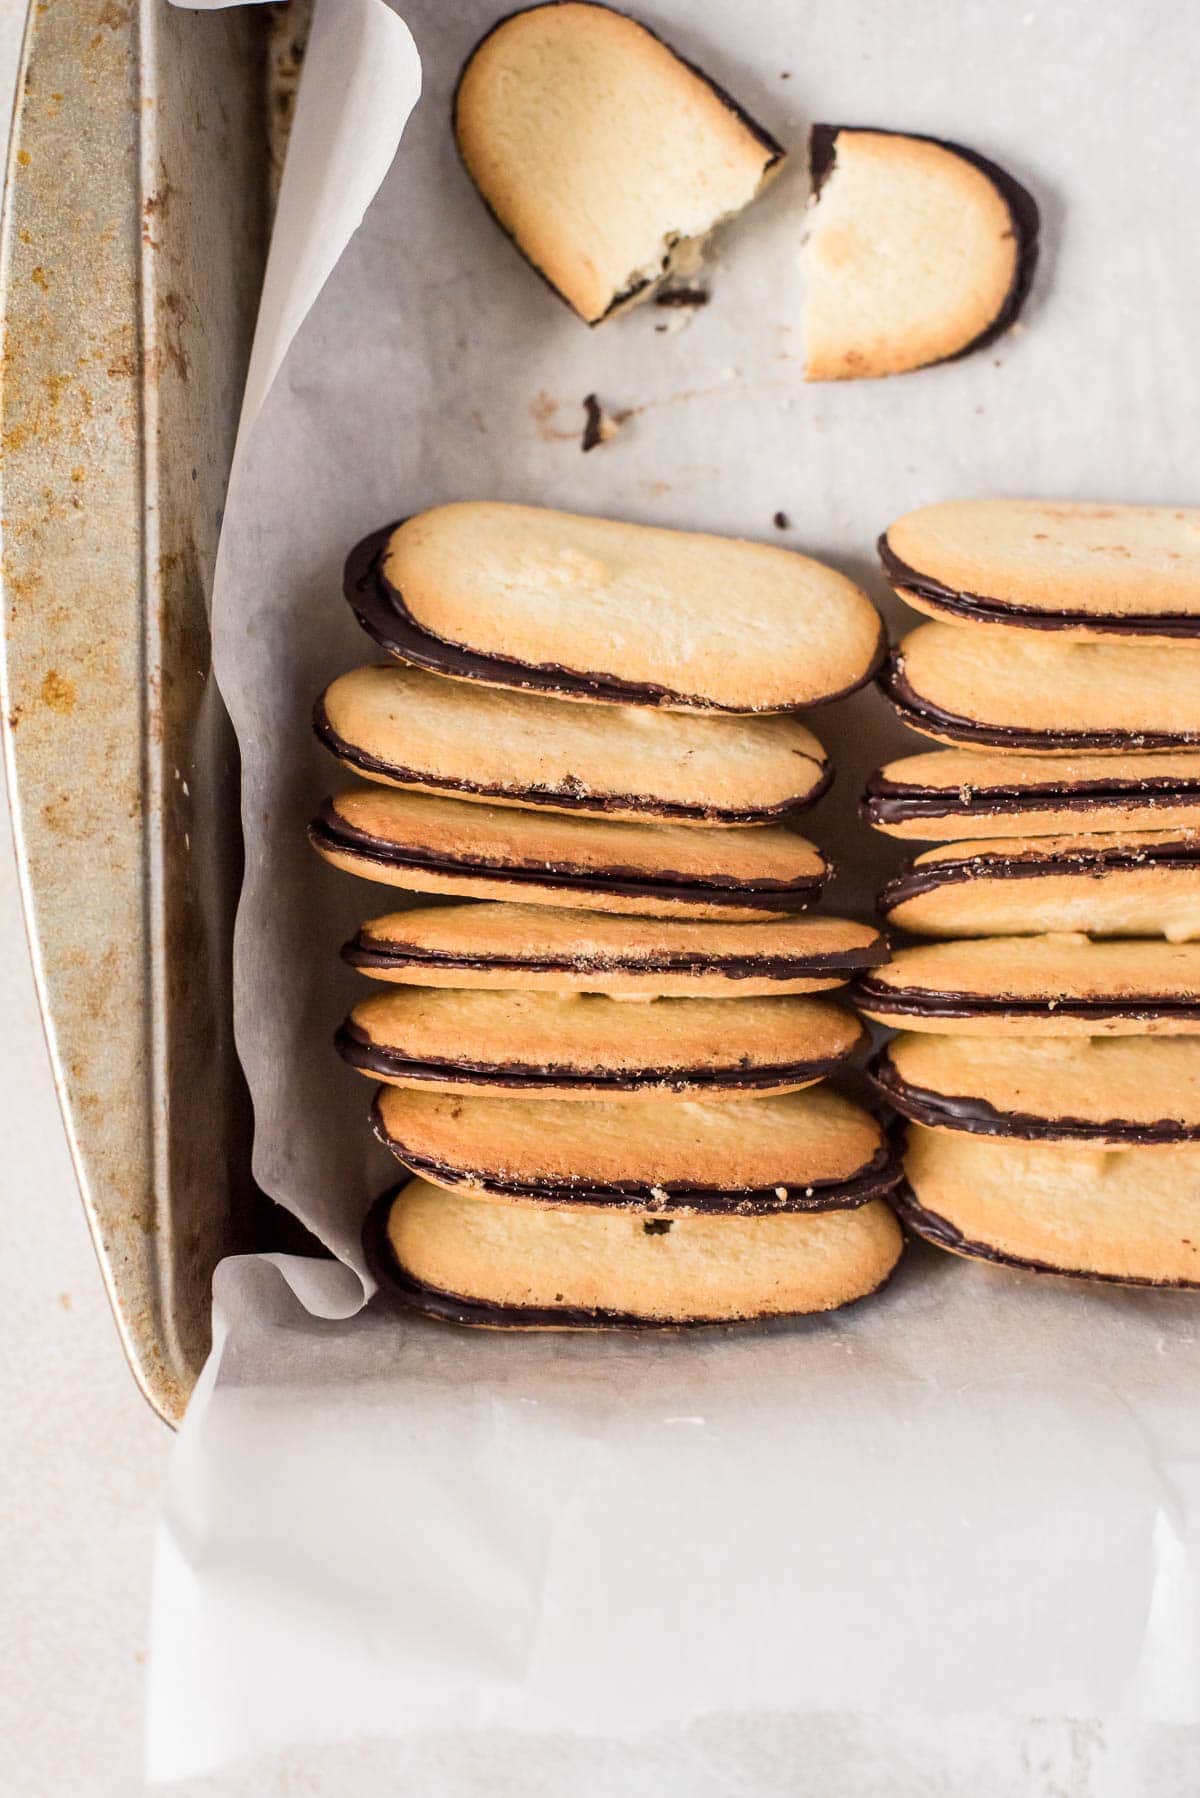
[(133, 244)]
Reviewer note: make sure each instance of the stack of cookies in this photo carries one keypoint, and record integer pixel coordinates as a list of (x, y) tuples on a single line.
[(602, 1071), (1048, 1061)]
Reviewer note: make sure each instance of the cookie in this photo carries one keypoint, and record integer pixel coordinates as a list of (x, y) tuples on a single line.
[(626, 614), (604, 156), (467, 1260), (807, 1151), (948, 794), (1018, 693), (581, 1045), (1128, 1215), (436, 845), (407, 728), (920, 251), (544, 950), (1038, 986), (1140, 883), (1115, 1091), (1071, 568)]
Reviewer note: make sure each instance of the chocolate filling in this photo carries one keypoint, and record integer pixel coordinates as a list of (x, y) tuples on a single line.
[(979, 1118), (775, 152), (380, 609), (1022, 210), (364, 951), (921, 714), (942, 1233), (981, 609), (895, 802), (330, 833), (1092, 863), (561, 798), (356, 1047), (915, 1001)]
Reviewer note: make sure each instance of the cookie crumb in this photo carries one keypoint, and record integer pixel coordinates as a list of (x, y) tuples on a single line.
[(599, 426), (781, 521), (682, 296)]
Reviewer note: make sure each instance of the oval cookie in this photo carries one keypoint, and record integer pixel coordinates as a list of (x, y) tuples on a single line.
[(944, 795), (548, 950), (1018, 693), (596, 609), (1067, 567), (1038, 986), (1139, 884), (583, 1045), (1126, 1215), (1115, 1091), (467, 1260), (807, 1151), (406, 728), (436, 845)]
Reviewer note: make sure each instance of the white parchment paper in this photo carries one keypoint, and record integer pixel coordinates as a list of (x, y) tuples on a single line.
[(979, 1493)]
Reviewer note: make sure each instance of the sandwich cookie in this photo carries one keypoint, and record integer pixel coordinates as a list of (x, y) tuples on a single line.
[(1116, 1091), (1022, 693), (1077, 570), (920, 252), (1038, 986), (545, 950), (808, 1151), (436, 845), (1127, 1215), (406, 728), (466, 1260), (580, 1045), (605, 157), (627, 614), (1141, 883), (947, 794)]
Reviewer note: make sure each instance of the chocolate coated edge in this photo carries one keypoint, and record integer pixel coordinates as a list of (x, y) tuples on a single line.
[(980, 609), (447, 1307), (899, 802), (942, 1233), (557, 800), (328, 831), (916, 1001), (1022, 210), (382, 613), (356, 1047), (976, 1117), (913, 882), (916, 712), (362, 951), (774, 157)]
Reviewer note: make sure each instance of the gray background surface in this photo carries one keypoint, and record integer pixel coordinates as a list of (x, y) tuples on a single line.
[(84, 1462)]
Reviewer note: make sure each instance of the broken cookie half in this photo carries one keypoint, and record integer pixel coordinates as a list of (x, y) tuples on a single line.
[(603, 155), (920, 251)]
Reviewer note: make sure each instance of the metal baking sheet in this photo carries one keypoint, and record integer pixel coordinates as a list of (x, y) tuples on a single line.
[(133, 244)]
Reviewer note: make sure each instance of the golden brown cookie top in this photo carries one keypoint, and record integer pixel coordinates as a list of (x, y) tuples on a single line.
[(405, 727), (602, 155)]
